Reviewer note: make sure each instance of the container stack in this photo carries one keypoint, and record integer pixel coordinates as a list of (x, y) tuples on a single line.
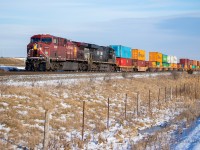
[(194, 64), (172, 60), (184, 63), (138, 57), (198, 65), (123, 56), (165, 63), (155, 58)]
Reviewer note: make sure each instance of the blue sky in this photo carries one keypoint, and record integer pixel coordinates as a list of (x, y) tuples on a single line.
[(168, 26)]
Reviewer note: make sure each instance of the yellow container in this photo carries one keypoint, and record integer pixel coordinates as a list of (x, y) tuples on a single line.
[(185, 67), (179, 66), (138, 54), (155, 56)]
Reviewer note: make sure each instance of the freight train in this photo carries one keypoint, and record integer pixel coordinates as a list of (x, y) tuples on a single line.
[(50, 53)]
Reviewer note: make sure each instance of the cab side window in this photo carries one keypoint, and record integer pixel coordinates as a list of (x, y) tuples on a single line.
[(55, 41)]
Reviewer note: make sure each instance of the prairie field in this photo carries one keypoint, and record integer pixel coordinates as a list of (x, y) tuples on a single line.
[(12, 61), (116, 111)]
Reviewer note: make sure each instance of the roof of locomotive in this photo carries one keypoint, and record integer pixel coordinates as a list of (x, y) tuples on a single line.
[(46, 35)]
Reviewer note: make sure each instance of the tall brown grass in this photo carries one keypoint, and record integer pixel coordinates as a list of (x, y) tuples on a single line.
[(22, 108)]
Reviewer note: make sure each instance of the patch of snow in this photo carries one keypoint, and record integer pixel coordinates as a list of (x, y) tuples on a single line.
[(65, 105), (192, 140), (12, 68), (22, 112), (4, 104)]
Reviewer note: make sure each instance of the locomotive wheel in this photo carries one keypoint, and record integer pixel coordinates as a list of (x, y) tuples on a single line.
[(42, 67), (29, 67), (83, 67)]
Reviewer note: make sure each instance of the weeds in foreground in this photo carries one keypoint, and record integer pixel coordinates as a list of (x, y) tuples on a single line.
[(22, 109)]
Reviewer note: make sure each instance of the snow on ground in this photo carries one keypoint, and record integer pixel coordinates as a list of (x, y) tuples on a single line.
[(12, 68), (164, 116), (68, 79), (191, 141)]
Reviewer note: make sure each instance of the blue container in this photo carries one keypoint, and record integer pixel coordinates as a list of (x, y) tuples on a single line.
[(122, 51)]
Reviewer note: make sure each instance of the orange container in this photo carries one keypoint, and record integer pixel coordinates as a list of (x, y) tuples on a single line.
[(138, 54), (194, 62), (179, 65), (174, 66), (198, 63), (155, 56)]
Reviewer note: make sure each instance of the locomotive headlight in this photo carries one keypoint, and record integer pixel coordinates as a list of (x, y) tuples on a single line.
[(35, 46)]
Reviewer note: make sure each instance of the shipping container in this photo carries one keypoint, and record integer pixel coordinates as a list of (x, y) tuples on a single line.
[(172, 59), (159, 64), (184, 61), (124, 62), (190, 62), (138, 54), (185, 66), (155, 56), (179, 66), (198, 63), (122, 51), (165, 65), (168, 59), (164, 58), (193, 67), (151, 64), (174, 65), (194, 62), (139, 63)]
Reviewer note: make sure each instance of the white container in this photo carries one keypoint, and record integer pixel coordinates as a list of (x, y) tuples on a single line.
[(168, 59), (175, 59), (172, 59)]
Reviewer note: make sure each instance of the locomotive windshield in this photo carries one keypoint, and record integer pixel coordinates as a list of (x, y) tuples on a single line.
[(44, 40), (35, 40)]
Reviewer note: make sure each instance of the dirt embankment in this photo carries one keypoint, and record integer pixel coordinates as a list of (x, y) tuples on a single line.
[(12, 61)]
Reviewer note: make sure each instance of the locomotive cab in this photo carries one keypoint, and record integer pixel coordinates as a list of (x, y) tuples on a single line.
[(38, 52), (39, 46)]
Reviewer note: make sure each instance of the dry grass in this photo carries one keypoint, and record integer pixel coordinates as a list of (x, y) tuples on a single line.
[(22, 109), (11, 62)]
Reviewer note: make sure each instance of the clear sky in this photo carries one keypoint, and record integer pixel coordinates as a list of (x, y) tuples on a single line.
[(168, 26)]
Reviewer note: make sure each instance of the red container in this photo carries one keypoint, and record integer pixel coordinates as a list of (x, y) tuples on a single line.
[(151, 64), (184, 61), (147, 63), (139, 63), (124, 62), (190, 62)]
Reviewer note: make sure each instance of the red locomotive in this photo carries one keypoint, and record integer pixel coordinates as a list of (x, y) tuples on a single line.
[(46, 52)]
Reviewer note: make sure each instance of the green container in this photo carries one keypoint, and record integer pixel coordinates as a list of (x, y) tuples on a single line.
[(165, 65), (164, 58), (158, 64), (194, 67)]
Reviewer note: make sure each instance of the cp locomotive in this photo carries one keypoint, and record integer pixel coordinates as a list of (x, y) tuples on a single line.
[(46, 52)]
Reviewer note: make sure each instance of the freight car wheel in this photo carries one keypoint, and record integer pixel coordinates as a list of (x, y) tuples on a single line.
[(112, 69)]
